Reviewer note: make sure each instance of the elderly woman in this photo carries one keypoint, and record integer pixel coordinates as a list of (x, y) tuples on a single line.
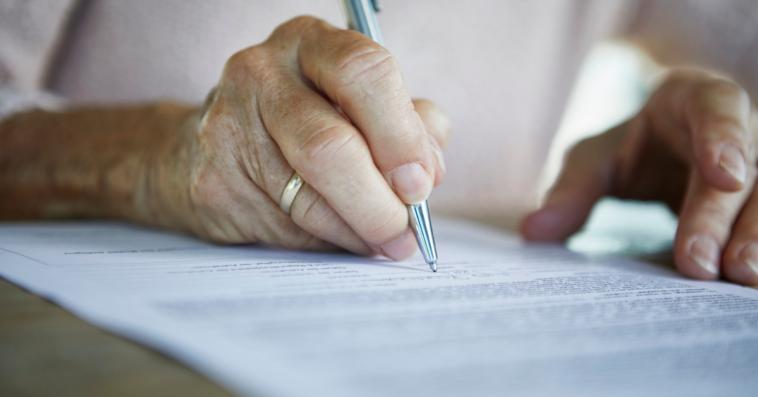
[(333, 106)]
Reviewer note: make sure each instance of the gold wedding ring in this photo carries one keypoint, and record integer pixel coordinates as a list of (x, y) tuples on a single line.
[(290, 192)]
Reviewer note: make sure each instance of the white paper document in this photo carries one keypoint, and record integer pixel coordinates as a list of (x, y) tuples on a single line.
[(500, 318)]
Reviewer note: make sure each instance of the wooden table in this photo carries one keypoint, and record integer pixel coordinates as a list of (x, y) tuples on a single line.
[(46, 351)]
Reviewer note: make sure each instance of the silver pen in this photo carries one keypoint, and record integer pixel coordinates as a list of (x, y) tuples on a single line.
[(361, 16)]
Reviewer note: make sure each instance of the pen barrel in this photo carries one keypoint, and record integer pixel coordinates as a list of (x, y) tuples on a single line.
[(361, 17), (421, 224)]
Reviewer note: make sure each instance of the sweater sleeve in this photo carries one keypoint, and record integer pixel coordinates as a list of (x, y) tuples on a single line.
[(31, 34)]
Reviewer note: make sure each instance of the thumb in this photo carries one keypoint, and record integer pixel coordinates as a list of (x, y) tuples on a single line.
[(585, 178)]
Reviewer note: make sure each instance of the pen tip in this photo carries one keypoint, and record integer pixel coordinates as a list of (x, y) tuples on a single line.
[(434, 266)]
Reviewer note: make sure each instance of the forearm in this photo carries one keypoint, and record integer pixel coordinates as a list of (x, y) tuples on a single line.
[(85, 163)]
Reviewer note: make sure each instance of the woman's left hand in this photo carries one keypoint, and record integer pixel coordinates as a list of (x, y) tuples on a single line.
[(693, 147)]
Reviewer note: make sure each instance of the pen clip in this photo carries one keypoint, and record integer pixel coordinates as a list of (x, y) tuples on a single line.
[(377, 6)]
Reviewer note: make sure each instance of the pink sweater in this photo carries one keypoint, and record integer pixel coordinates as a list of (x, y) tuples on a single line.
[(502, 69)]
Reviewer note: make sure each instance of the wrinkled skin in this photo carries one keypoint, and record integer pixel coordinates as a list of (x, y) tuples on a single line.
[(277, 109), (693, 147), (328, 103), (331, 104)]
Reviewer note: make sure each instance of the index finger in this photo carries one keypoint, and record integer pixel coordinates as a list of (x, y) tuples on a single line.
[(709, 125), (364, 79)]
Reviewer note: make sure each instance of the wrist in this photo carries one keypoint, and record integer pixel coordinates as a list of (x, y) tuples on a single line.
[(158, 192)]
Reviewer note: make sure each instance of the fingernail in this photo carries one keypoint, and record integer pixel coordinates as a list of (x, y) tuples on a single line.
[(401, 247), (749, 255), (412, 183), (733, 162), (705, 252)]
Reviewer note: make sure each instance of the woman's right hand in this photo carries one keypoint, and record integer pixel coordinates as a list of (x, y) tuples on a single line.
[(277, 111)]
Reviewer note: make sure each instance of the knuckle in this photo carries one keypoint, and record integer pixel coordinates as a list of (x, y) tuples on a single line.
[(723, 89), (363, 61), (717, 96), (296, 26), (251, 63), (719, 125), (328, 145), (716, 122), (716, 213)]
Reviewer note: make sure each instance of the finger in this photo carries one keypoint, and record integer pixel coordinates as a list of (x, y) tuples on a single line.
[(313, 213), (437, 125), (230, 209), (270, 172), (718, 115), (331, 155), (705, 120), (705, 223), (740, 259), (364, 79), (585, 178)]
